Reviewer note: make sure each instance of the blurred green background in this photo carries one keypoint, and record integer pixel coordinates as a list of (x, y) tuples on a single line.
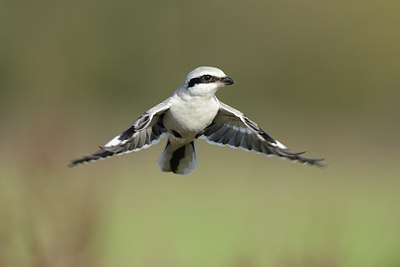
[(321, 76)]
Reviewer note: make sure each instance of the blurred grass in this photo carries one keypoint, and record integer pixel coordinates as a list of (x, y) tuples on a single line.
[(132, 216), (320, 76)]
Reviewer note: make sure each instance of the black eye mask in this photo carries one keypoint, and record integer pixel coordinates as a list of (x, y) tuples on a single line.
[(203, 79)]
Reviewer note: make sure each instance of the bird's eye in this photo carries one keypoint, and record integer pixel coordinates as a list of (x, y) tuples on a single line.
[(207, 78)]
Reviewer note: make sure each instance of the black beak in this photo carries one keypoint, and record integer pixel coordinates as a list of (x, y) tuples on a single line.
[(227, 80)]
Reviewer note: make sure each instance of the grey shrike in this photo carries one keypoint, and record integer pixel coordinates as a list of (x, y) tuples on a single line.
[(193, 111)]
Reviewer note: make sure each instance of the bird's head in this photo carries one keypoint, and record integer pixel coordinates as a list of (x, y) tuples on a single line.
[(205, 81)]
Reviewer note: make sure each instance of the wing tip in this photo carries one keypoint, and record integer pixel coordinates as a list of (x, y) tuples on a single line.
[(320, 163), (76, 162), (80, 161), (101, 154), (296, 156), (72, 164)]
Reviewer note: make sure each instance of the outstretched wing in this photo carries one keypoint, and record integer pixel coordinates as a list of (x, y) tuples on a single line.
[(145, 131), (232, 128)]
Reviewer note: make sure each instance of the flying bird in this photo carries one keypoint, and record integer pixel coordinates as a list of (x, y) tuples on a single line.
[(193, 111)]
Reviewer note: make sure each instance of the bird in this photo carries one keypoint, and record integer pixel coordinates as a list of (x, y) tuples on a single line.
[(194, 112)]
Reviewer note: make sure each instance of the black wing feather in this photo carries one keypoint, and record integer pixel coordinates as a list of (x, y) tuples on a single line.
[(144, 132), (231, 127)]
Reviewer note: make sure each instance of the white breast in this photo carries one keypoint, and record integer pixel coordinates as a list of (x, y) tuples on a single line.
[(190, 115)]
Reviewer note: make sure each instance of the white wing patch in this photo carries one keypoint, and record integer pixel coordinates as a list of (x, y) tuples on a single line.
[(115, 142), (280, 145)]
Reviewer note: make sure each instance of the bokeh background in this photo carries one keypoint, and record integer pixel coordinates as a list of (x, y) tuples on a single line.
[(321, 76)]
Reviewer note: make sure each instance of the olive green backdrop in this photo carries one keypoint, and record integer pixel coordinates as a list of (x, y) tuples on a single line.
[(321, 76)]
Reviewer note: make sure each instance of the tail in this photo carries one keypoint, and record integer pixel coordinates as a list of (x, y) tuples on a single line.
[(179, 160)]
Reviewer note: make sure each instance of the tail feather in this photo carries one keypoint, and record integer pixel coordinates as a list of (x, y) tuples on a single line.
[(180, 160)]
